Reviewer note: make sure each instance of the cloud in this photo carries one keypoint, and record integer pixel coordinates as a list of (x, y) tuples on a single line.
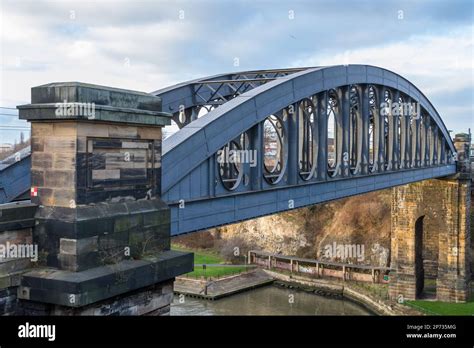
[(439, 65), (146, 45), (436, 64)]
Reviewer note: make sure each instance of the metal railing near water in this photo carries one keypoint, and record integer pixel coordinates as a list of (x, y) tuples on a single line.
[(319, 268)]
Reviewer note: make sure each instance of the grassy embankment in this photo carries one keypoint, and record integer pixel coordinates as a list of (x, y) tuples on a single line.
[(444, 308), (202, 257)]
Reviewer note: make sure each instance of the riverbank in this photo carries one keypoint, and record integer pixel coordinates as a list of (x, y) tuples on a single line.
[(227, 286), (349, 290), (223, 280)]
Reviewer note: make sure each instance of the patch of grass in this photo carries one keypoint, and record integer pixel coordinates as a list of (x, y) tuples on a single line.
[(202, 257), (444, 308)]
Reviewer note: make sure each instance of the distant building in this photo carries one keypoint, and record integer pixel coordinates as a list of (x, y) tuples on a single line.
[(6, 147)]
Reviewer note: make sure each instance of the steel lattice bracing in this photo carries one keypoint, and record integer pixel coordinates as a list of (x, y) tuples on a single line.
[(187, 100), (317, 134)]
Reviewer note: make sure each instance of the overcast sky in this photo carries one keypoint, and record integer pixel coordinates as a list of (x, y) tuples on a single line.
[(147, 45)]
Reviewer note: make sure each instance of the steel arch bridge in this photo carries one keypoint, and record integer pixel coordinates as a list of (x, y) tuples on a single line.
[(260, 142)]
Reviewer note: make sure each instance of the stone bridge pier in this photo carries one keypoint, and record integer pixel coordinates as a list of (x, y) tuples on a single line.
[(430, 239), (102, 229)]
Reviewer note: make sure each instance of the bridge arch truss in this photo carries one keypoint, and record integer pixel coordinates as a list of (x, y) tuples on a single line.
[(305, 136)]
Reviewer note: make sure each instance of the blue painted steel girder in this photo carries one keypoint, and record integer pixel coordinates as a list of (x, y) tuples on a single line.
[(197, 215)]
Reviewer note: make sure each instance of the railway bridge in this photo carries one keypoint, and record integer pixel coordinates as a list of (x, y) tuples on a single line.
[(107, 192)]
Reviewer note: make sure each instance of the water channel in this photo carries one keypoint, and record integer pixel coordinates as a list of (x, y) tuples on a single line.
[(269, 300)]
